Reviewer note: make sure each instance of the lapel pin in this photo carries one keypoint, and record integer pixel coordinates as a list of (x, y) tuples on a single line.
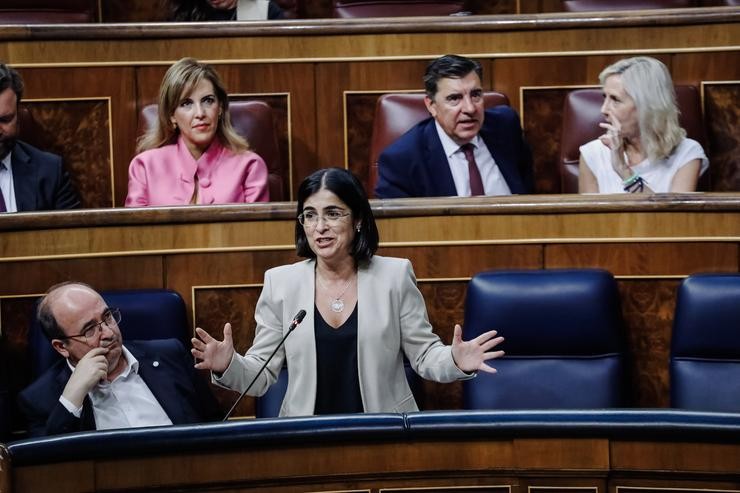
[(155, 364)]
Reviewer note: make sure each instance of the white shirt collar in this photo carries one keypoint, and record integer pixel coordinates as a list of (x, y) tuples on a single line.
[(7, 160), (449, 145)]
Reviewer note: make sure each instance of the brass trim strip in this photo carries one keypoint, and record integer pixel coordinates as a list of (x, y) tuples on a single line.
[(560, 488), (618, 487), (445, 488), (139, 253)]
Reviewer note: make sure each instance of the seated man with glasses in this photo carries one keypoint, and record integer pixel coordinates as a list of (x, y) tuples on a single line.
[(102, 384)]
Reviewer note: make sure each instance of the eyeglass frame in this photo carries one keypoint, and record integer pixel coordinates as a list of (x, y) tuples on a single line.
[(331, 222), (97, 328)]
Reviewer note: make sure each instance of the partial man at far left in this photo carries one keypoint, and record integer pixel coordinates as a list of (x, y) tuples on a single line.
[(30, 179)]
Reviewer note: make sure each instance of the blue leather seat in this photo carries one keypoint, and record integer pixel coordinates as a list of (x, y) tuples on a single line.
[(145, 314), (268, 405), (563, 339), (705, 345)]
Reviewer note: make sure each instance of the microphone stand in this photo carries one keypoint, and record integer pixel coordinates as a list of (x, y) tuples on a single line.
[(297, 320)]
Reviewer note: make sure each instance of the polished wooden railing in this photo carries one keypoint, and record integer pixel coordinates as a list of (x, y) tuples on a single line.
[(503, 452)]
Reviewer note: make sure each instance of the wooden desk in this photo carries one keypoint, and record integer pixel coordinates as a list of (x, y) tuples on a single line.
[(215, 257), (500, 452)]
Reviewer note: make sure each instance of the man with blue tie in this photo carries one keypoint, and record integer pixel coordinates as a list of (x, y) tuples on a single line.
[(462, 149), (102, 383), (30, 179)]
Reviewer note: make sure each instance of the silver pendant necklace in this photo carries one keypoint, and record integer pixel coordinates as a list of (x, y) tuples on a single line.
[(335, 304)]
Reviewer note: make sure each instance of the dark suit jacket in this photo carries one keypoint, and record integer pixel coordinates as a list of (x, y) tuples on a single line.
[(40, 181), (415, 165), (183, 395)]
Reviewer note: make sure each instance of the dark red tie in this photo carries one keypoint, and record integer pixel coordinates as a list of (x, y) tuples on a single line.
[(476, 183)]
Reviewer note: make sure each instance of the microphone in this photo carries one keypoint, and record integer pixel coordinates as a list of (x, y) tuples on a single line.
[(293, 324)]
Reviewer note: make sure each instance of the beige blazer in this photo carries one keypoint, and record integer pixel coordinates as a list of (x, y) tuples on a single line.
[(392, 321)]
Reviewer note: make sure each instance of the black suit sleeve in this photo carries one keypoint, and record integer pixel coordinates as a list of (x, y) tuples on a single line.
[(46, 416), (526, 165), (64, 194), (392, 177)]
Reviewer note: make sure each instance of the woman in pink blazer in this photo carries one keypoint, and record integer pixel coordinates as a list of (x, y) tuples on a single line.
[(193, 155)]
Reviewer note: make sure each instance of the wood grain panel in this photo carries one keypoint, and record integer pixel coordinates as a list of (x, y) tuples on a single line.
[(117, 272), (559, 453), (79, 132), (722, 114), (542, 127), (646, 259), (215, 307), (116, 83), (465, 261), (15, 317), (360, 117), (356, 459), (657, 456), (78, 476), (647, 309)]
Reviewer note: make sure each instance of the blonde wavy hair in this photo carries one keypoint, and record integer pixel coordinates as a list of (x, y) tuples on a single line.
[(177, 84), (649, 84)]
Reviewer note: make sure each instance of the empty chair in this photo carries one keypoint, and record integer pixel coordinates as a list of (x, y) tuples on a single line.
[(146, 314), (396, 113), (396, 8), (253, 120), (705, 345), (562, 334), (581, 118), (48, 11)]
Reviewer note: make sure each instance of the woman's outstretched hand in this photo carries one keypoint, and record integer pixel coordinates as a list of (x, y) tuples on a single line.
[(472, 355), (212, 354)]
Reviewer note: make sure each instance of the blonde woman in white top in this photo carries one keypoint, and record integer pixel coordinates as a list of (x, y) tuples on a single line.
[(643, 149)]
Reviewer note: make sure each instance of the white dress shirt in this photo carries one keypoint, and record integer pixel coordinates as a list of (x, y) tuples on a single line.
[(126, 402), (493, 181), (6, 183)]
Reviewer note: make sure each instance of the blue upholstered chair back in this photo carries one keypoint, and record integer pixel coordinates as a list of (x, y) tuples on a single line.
[(563, 339), (705, 345), (145, 314)]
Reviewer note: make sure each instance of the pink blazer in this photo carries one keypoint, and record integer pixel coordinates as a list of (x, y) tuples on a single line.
[(164, 176)]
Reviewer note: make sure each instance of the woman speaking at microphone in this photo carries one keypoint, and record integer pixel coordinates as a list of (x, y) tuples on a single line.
[(364, 313)]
